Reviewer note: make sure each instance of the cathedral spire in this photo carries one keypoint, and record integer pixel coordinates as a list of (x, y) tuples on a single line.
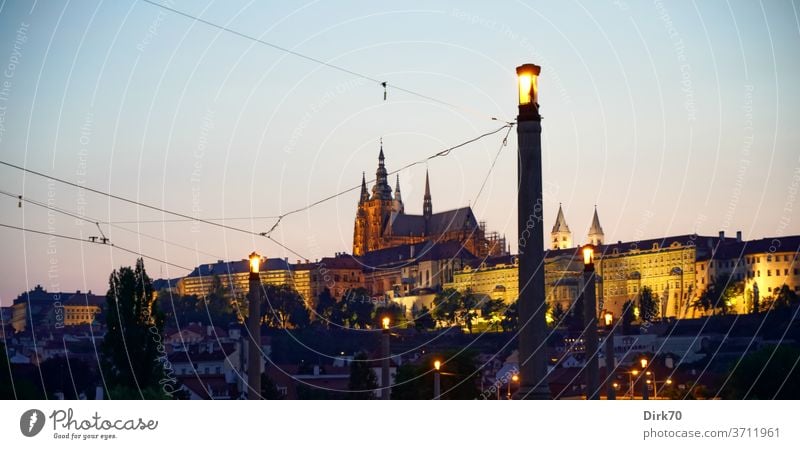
[(596, 236), (381, 190), (561, 236), (398, 199), (364, 193), (427, 206)]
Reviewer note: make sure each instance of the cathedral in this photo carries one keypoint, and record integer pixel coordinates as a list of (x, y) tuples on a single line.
[(381, 221)]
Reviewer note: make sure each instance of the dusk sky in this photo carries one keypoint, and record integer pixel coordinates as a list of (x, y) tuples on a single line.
[(673, 118)]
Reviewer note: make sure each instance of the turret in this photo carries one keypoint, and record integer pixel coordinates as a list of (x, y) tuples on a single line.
[(561, 236)]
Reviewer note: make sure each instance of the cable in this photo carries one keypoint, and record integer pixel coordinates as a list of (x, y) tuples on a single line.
[(491, 167), (381, 83), (442, 153), (78, 239), (165, 211), (111, 224)]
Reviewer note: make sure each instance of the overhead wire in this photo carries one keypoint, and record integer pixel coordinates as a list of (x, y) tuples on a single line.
[(384, 84)]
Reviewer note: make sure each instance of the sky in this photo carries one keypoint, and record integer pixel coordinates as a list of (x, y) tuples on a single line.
[(671, 117)]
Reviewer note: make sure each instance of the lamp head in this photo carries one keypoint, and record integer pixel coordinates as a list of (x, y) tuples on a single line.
[(588, 257), (255, 262), (528, 90), (437, 364), (643, 362), (385, 321), (609, 318)]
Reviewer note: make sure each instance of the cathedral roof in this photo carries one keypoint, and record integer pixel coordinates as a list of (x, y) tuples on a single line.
[(417, 252), (561, 222), (438, 223)]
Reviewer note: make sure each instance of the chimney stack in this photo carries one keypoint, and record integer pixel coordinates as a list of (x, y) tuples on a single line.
[(739, 236), (721, 235)]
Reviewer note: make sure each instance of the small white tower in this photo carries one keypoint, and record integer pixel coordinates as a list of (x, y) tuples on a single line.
[(561, 236), (596, 236)]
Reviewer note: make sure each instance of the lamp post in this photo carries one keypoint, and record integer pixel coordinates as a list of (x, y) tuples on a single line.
[(590, 322), (611, 391), (386, 389), (514, 378), (254, 329), (531, 301), (630, 380), (645, 385), (437, 382)]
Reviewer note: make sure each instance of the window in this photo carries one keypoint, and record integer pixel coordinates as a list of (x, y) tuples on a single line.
[(785, 257), (796, 271), (769, 272), (769, 258), (786, 272)]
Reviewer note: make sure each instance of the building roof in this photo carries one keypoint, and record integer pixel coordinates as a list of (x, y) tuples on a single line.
[(438, 223), (85, 299), (417, 252), (561, 222), (595, 228), (222, 268)]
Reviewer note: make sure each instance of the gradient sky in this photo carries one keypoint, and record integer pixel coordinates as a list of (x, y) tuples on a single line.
[(671, 117)]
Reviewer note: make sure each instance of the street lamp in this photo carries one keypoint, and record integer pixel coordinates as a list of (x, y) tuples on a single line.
[(590, 321), (254, 328), (386, 389), (645, 389), (631, 375), (514, 378), (611, 391), (437, 365), (531, 302)]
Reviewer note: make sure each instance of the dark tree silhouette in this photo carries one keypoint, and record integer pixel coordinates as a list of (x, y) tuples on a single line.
[(363, 381), (132, 352)]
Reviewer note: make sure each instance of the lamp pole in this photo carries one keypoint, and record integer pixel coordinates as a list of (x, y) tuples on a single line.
[(645, 386), (437, 380), (386, 389), (254, 329), (611, 391), (531, 301), (590, 321)]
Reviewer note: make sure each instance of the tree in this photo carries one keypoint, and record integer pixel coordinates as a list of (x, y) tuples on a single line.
[(283, 308), (363, 381), (492, 310), (785, 298), (357, 308), (770, 373), (6, 389), (392, 310), (466, 310), (69, 377), (423, 319), (558, 314), (268, 388), (446, 304), (648, 305), (628, 316), (132, 353), (510, 317), (328, 310)]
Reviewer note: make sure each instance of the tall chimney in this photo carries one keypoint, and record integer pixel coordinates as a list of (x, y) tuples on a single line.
[(739, 236)]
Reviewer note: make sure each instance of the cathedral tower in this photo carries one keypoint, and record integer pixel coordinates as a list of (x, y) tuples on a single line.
[(596, 236), (560, 237)]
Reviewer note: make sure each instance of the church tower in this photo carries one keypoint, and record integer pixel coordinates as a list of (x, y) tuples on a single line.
[(373, 211), (560, 237), (596, 236), (398, 200), (427, 205)]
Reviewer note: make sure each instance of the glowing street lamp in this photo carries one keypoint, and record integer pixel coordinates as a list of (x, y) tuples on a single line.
[(531, 303), (528, 82), (608, 319), (437, 388), (643, 361), (645, 389), (590, 320), (386, 357), (254, 329), (255, 262)]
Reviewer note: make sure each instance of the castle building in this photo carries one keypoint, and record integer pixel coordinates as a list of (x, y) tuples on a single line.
[(381, 221)]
